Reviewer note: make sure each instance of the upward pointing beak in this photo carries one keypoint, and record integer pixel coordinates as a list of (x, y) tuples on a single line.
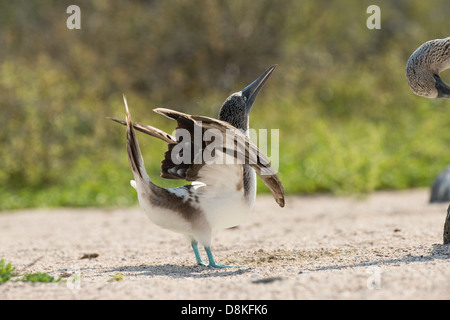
[(251, 91), (442, 88)]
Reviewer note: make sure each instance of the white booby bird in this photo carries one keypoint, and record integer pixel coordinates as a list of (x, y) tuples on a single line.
[(221, 195), (424, 66)]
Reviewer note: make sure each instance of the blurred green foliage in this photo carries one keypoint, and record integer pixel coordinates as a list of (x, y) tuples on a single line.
[(348, 121)]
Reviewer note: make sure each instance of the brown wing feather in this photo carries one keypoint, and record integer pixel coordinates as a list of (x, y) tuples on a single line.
[(242, 149), (180, 168), (155, 132), (169, 170)]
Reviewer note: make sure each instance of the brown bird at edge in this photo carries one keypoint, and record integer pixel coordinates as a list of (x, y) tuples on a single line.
[(425, 65), (423, 75)]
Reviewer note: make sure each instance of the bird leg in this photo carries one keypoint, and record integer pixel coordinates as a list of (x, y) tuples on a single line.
[(447, 227), (212, 263), (197, 254), (199, 260)]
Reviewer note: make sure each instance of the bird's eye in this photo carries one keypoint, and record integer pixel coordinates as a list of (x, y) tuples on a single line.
[(245, 99)]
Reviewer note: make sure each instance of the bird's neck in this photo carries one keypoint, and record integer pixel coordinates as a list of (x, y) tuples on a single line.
[(241, 124)]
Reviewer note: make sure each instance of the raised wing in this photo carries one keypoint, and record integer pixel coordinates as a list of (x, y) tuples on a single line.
[(200, 142), (155, 132), (233, 144)]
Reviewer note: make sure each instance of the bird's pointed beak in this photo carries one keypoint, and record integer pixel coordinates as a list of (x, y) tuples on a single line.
[(251, 91), (442, 88)]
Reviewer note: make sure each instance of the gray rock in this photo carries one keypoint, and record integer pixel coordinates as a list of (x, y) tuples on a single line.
[(440, 191)]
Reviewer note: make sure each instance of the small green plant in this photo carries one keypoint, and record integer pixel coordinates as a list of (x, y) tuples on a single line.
[(39, 277), (116, 277), (6, 271)]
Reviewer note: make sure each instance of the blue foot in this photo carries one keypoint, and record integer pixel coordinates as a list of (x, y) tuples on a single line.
[(212, 263), (219, 266), (197, 254)]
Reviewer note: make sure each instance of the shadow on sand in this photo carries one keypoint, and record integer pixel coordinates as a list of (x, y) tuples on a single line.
[(439, 251), (180, 271)]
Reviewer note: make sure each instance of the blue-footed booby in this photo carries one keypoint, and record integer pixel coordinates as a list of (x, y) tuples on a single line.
[(422, 73), (424, 66), (220, 195)]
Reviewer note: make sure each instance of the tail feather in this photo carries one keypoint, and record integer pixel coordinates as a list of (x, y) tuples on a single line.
[(134, 153), (152, 131)]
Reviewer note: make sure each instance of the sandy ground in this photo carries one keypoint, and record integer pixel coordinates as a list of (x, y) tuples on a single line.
[(385, 246)]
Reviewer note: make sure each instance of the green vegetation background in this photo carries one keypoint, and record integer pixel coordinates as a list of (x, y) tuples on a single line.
[(348, 121)]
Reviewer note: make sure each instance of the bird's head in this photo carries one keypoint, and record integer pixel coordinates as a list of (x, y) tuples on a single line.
[(236, 108), (424, 66), (427, 83)]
